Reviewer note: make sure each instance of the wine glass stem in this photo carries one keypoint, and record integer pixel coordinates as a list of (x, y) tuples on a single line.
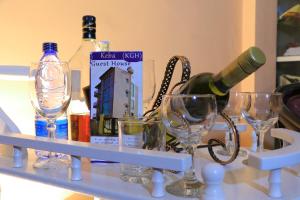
[(189, 175), (51, 128), (260, 141), (228, 141)]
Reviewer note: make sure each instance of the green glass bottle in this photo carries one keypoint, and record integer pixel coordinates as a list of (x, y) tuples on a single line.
[(220, 84)]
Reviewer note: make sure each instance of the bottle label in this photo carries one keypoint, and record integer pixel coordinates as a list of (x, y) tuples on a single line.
[(61, 128), (41, 128)]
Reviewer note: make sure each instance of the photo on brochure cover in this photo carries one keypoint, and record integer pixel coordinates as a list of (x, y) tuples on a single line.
[(116, 92)]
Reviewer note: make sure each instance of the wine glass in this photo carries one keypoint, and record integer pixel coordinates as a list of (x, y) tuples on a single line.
[(237, 102), (188, 117), (50, 95), (263, 113), (149, 84)]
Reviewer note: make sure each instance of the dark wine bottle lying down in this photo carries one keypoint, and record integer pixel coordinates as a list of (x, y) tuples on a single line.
[(219, 84)]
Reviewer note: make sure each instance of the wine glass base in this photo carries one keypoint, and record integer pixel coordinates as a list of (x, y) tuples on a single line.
[(51, 163), (184, 188), (136, 175), (136, 179), (223, 152)]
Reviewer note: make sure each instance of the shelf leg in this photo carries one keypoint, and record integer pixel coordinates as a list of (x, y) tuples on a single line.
[(158, 186), (275, 183), (75, 168), (18, 157)]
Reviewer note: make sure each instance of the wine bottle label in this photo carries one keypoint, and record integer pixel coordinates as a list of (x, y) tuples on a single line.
[(218, 88), (61, 128)]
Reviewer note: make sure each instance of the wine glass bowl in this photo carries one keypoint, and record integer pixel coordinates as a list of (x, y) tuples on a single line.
[(188, 117), (237, 102), (263, 113), (185, 116), (50, 88)]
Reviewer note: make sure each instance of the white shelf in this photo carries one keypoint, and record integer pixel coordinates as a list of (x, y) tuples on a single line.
[(96, 180), (155, 159), (102, 180), (288, 58)]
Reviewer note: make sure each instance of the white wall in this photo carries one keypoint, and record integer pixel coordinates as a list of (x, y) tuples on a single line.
[(259, 29), (207, 32)]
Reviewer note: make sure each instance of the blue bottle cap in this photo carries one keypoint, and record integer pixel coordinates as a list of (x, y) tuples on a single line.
[(89, 27), (49, 46)]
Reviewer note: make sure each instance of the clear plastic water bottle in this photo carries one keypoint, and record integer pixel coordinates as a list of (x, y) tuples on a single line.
[(50, 54)]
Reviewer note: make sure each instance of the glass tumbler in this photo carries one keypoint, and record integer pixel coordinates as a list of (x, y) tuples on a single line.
[(140, 133)]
